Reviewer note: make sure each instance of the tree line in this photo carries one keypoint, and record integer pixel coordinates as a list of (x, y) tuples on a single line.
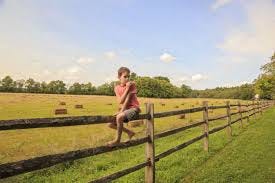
[(154, 87)]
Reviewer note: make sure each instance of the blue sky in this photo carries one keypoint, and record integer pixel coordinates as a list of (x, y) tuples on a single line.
[(203, 44)]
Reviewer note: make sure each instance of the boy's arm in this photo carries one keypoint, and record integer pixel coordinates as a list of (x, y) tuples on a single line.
[(121, 99), (126, 102)]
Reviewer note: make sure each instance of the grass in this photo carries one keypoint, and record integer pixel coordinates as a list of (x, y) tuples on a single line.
[(21, 144), (250, 157)]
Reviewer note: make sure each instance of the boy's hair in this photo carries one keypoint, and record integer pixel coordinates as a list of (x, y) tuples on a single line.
[(121, 70)]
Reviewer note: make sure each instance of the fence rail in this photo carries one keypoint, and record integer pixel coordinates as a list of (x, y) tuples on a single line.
[(23, 166)]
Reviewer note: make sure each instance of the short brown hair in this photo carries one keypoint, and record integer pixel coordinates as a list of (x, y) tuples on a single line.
[(121, 70)]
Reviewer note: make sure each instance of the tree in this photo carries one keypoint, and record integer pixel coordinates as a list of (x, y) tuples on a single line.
[(7, 84), (162, 78), (75, 88), (133, 76), (57, 86), (43, 87), (32, 86), (186, 90), (88, 89), (106, 89), (265, 84), (19, 85)]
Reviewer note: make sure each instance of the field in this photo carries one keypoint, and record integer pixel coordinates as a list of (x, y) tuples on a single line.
[(22, 144)]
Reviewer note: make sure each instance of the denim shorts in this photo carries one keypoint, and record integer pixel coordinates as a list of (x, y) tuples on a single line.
[(131, 114)]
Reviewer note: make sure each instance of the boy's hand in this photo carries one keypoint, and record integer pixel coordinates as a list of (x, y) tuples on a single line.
[(116, 113), (129, 84)]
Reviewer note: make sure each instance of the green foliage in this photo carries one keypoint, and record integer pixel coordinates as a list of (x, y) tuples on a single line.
[(265, 84), (56, 87), (7, 84), (106, 89), (157, 87), (244, 92)]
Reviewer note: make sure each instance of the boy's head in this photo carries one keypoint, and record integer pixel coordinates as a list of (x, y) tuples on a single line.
[(123, 75)]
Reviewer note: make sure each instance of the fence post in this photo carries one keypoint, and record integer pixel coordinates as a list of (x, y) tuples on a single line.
[(150, 146), (247, 113), (240, 111), (229, 129), (254, 109), (260, 108), (206, 126)]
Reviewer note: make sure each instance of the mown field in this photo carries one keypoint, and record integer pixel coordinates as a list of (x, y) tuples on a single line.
[(22, 144)]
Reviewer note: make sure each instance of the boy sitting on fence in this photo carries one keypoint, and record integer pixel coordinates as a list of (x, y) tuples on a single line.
[(126, 94)]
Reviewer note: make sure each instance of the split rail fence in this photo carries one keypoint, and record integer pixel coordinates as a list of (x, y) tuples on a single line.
[(23, 166)]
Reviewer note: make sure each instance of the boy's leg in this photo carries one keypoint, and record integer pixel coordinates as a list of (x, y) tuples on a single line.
[(114, 126), (119, 126), (119, 122)]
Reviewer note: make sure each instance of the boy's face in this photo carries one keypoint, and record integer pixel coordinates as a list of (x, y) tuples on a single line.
[(124, 78)]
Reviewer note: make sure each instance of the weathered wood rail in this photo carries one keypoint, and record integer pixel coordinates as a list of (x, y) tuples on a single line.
[(23, 166)]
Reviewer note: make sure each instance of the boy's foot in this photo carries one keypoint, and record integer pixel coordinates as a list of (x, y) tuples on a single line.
[(112, 143)]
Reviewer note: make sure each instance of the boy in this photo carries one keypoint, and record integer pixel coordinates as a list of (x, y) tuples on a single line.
[(126, 94)]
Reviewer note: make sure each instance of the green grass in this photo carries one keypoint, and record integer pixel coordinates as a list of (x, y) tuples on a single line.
[(181, 166), (250, 157)]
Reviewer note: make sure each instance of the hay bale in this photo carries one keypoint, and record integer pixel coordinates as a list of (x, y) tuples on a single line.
[(176, 106), (62, 103), (60, 111), (78, 106), (109, 104), (135, 123), (162, 104), (182, 104), (182, 116)]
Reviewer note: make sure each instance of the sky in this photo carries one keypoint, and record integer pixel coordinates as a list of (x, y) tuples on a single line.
[(203, 44)]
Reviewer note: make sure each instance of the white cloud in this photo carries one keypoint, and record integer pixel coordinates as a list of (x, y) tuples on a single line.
[(73, 70), (166, 57), (244, 82), (85, 60), (233, 84), (111, 55), (219, 3), (70, 74), (184, 78), (111, 78), (198, 77), (46, 72), (190, 80), (254, 38)]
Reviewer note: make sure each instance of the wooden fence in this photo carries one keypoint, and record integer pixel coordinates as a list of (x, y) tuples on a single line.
[(23, 166)]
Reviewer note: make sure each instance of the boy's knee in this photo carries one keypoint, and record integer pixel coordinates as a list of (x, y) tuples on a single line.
[(120, 116)]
